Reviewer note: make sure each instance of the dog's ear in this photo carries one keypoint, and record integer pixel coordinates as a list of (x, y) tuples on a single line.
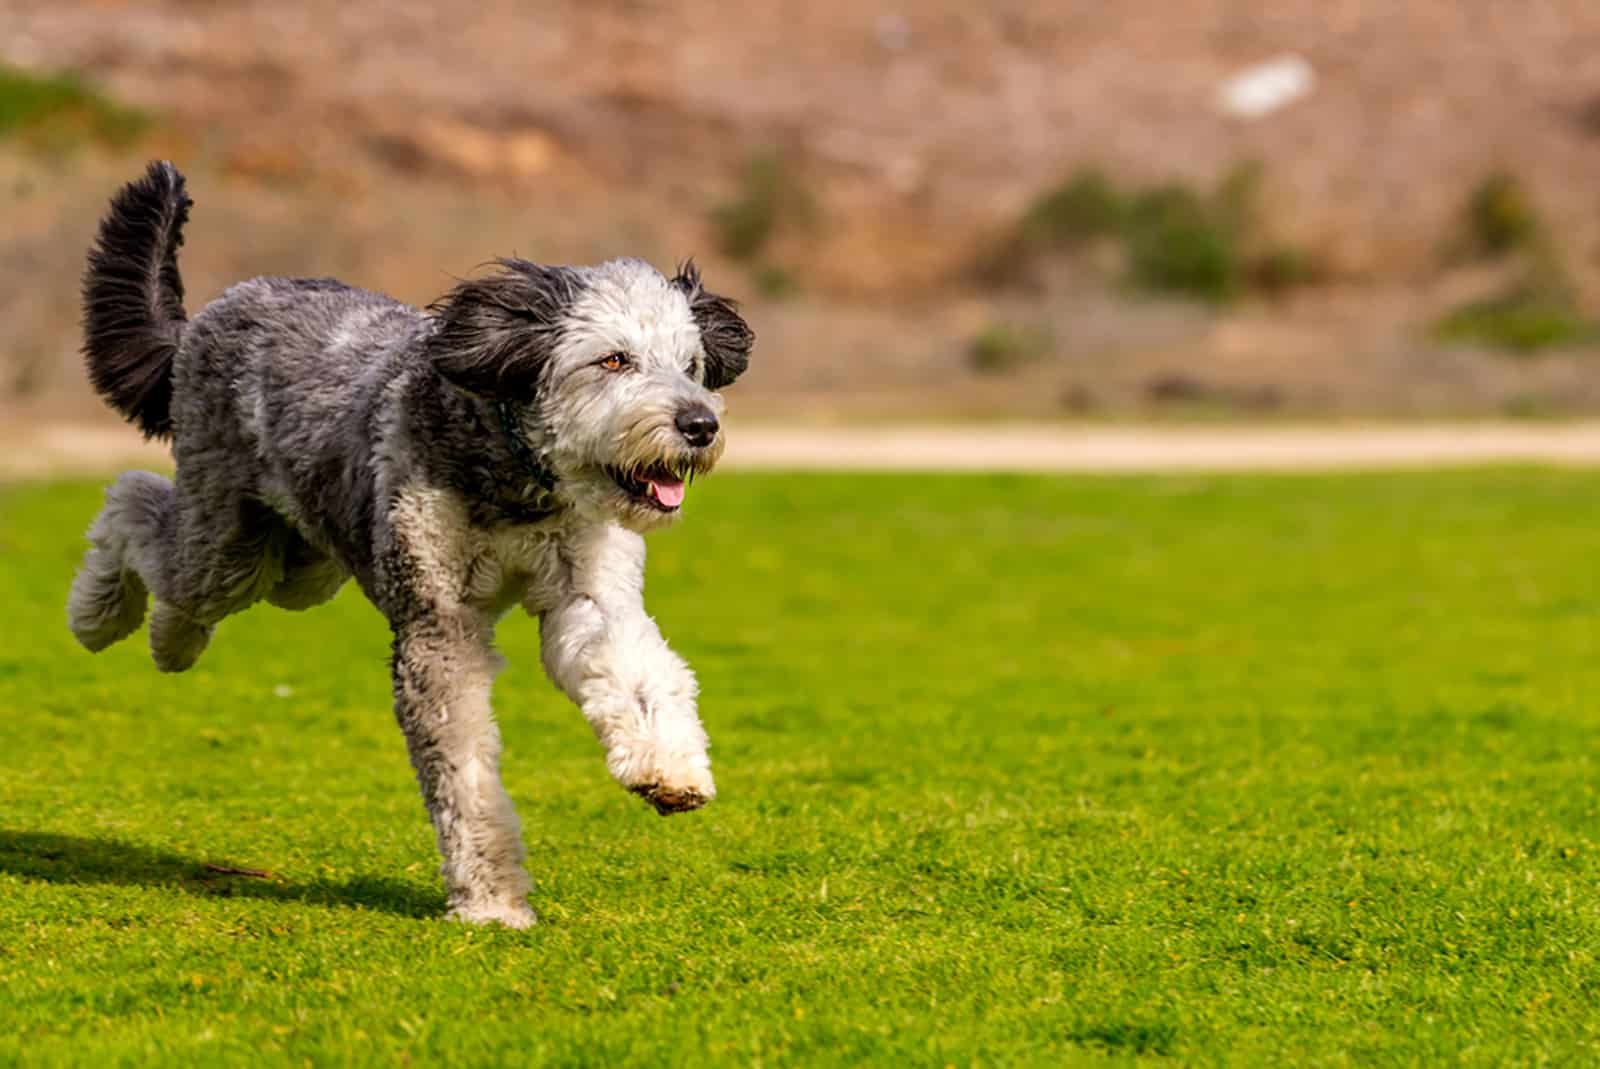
[(495, 333), (724, 335)]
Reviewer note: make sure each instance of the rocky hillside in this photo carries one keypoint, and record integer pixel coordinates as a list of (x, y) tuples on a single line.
[(850, 169)]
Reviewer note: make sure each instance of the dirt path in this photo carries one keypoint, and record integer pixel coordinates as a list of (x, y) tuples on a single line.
[(66, 449), (1155, 449)]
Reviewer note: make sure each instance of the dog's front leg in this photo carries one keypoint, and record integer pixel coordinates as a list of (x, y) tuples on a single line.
[(444, 666), (601, 647)]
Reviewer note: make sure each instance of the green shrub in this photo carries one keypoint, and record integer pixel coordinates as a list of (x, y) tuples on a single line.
[(1175, 239), (1525, 319), (1001, 347), (55, 108), (1538, 310), (1085, 207), (1532, 407), (1280, 268), (769, 197), (774, 282), (1177, 242), (1500, 217)]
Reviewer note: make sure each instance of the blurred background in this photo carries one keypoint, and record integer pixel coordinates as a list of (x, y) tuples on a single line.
[(1065, 210)]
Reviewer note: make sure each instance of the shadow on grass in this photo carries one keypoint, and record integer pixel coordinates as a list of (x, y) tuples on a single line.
[(73, 859)]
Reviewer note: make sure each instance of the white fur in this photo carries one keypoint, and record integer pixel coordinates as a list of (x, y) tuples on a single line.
[(585, 581), (601, 648), (592, 417)]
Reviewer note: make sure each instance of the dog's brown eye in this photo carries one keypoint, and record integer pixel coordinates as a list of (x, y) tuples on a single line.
[(615, 362)]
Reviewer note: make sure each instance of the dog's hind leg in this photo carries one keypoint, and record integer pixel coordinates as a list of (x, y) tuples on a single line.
[(199, 565), (132, 541), (226, 549)]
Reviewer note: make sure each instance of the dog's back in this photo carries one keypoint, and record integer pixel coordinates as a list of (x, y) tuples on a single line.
[(272, 389), (272, 397), (283, 381)]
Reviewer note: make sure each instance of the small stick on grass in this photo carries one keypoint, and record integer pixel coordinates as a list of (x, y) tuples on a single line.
[(233, 870)]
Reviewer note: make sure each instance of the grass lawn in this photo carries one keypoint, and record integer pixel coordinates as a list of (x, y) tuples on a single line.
[(1244, 770)]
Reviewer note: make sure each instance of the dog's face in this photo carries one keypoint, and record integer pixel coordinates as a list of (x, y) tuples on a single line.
[(613, 371)]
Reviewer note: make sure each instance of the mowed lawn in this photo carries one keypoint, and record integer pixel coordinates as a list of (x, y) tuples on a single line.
[(1013, 771)]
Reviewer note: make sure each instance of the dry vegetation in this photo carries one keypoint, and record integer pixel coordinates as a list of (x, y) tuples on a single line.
[(1024, 209)]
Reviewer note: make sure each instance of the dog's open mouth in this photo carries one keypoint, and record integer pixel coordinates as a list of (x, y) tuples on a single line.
[(655, 486)]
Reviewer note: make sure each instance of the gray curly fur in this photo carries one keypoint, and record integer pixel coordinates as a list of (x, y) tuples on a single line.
[(456, 462)]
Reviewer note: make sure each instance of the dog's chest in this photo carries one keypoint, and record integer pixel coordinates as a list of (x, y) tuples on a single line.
[(506, 564), (457, 562)]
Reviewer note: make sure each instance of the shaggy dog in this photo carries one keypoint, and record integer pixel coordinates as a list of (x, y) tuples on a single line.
[(508, 446)]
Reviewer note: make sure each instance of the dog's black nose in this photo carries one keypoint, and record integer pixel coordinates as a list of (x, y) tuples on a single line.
[(698, 425)]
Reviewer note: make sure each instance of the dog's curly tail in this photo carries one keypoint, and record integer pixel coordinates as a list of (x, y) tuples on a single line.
[(133, 311)]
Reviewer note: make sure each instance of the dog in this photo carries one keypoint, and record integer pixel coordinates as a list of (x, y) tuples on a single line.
[(509, 445)]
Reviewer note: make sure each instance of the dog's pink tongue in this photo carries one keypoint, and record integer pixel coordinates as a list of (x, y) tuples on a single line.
[(668, 491)]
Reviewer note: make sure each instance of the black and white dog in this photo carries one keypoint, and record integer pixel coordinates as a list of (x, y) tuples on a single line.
[(508, 446)]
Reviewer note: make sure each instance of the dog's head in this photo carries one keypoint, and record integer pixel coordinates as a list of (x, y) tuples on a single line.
[(612, 371)]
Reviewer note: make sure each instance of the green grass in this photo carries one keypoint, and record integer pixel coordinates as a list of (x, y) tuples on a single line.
[(1256, 771)]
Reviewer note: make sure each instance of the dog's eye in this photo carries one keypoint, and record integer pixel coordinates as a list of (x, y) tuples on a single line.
[(614, 361)]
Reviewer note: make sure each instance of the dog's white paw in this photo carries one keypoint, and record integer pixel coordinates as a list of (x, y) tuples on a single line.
[(510, 914), (669, 800), (673, 784)]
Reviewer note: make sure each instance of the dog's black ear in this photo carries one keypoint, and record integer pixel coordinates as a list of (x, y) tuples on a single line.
[(495, 333), (724, 335)]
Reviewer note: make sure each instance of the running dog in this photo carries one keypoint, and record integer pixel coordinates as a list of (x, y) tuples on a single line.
[(509, 445)]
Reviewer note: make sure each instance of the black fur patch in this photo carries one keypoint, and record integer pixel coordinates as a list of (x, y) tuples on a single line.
[(495, 333), (725, 336), (133, 299)]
